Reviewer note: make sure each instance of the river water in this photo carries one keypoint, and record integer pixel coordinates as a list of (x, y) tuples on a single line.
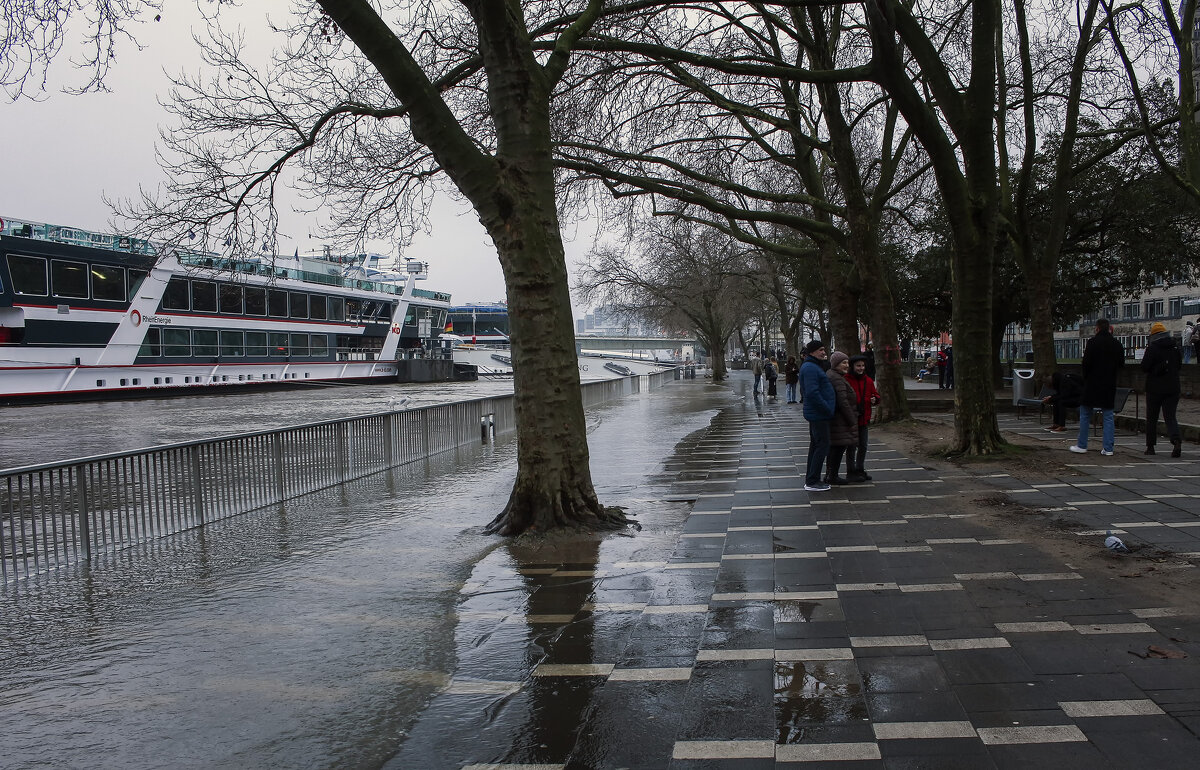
[(304, 636), (44, 433)]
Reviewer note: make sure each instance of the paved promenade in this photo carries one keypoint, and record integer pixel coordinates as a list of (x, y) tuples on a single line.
[(886, 624)]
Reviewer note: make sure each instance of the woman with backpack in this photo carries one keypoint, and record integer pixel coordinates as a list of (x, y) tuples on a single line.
[(772, 375)]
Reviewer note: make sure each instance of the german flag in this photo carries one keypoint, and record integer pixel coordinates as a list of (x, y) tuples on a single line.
[(449, 327)]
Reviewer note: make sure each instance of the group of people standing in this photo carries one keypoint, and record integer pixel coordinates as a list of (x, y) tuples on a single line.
[(1103, 358), (838, 397), (766, 377)]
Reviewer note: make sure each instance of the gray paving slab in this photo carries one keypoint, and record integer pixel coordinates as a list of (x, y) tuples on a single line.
[(876, 625)]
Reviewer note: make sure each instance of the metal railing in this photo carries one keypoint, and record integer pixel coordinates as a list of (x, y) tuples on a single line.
[(58, 514)]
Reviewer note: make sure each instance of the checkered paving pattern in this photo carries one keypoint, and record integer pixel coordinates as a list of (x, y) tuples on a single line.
[(875, 625)]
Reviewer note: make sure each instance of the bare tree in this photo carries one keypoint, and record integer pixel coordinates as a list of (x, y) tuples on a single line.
[(370, 112), (685, 271)]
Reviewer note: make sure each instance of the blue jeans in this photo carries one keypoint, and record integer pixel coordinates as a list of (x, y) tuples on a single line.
[(1085, 424), (1187, 353), (818, 450), (790, 391), (757, 383)]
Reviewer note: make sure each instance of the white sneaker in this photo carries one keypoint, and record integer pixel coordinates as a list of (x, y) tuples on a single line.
[(1106, 452), (822, 487), (1077, 448)]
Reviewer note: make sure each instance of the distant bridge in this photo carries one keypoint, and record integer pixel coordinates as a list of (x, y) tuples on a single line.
[(607, 342)]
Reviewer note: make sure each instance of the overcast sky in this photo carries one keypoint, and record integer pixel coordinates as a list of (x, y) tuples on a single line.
[(61, 156)]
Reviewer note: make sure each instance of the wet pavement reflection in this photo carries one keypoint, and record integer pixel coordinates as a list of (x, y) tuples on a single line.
[(317, 634)]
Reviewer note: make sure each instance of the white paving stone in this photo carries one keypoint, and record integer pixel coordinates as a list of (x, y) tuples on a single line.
[(1034, 627), (980, 643), (818, 653), (650, 674), (723, 750), (1114, 628), (674, 609), (573, 669), (914, 640), (888, 731), (758, 654), (1110, 708), (826, 752), (1005, 736)]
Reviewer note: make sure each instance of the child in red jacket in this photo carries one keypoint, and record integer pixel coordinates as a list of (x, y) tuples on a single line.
[(867, 396)]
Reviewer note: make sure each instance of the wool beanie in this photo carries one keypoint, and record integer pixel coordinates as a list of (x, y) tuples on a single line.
[(1157, 328), (837, 358), (813, 346)]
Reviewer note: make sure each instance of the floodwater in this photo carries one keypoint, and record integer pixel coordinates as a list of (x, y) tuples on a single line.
[(44, 433), (307, 635)]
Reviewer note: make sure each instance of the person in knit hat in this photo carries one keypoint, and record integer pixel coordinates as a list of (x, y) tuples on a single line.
[(1161, 363), (819, 405), (843, 428)]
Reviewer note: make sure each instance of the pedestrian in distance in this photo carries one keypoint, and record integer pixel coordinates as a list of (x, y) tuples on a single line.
[(1193, 342), (843, 428), (771, 375), (819, 405), (1161, 363), (1103, 357), (756, 367), (942, 361), (866, 396), (949, 367), (1188, 341), (791, 378)]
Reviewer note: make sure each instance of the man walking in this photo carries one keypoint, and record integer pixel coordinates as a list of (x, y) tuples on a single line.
[(819, 403), (1102, 358), (756, 366)]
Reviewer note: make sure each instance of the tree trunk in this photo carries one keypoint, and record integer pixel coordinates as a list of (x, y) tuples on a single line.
[(553, 487), (1039, 285)]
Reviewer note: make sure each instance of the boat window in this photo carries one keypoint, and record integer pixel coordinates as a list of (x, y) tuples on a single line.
[(299, 344), (108, 283), (256, 343), (231, 298), (337, 309), (410, 315), (176, 295), (152, 344), (277, 303), (177, 342), (317, 307), (204, 296), (231, 343), (279, 344), (319, 344), (256, 301), (300, 305), (135, 282), (385, 311), (354, 309), (69, 279), (204, 342), (28, 275)]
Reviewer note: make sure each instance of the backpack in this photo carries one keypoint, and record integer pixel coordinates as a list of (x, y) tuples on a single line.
[(1195, 337), (769, 371)]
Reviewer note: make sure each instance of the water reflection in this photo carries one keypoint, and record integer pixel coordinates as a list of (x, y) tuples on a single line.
[(816, 693)]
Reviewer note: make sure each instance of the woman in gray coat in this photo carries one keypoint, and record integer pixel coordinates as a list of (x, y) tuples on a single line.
[(843, 430)]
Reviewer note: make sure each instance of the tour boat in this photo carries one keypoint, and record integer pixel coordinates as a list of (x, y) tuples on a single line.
[(87, 315)]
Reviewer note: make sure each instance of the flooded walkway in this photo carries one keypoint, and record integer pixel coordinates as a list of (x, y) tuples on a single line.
[(748, 624)]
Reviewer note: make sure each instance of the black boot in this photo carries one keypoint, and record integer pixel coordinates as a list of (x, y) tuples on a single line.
[(835, 480), (1149, 449), (1178, 447)]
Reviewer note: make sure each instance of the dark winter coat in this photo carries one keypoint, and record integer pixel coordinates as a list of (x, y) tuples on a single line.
[(819, 398), (843, 430), (1102, 358), (791, 373), (1161, 363)]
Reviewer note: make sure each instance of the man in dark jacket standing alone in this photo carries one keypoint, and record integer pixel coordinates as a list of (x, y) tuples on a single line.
[(1161, 364), (1102, 358), (819, 403)]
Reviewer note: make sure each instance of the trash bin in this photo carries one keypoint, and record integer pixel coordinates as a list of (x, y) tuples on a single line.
[(1023, 385)]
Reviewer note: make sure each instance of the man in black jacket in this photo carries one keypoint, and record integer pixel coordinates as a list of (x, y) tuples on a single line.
[(1102, 358), (1161, 364)]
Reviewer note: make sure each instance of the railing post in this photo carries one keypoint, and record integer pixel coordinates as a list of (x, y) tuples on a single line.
[(197, 493), (388, 449), (343, 450), (277, 460), (81, 500)]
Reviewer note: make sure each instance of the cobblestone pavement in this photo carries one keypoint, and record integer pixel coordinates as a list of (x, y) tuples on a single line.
[(875, 625)]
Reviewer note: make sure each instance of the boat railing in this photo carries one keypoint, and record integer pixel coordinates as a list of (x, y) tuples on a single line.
[(80, 511)]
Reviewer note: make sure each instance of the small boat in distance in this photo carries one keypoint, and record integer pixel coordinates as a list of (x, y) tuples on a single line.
[(90, 315)]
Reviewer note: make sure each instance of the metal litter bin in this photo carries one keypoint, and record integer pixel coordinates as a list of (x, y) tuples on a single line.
[(1023, 385)]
